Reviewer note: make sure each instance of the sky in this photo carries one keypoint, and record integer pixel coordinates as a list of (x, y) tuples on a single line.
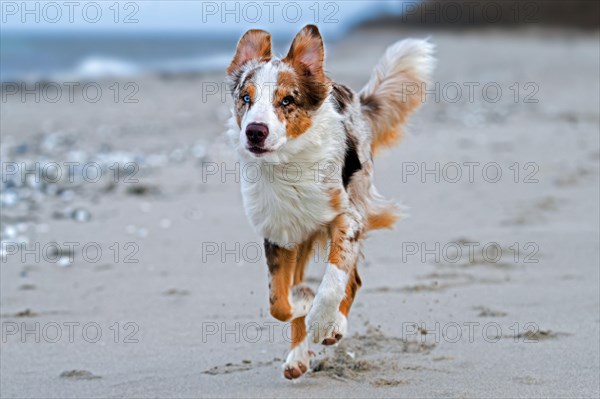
[(204, 17)]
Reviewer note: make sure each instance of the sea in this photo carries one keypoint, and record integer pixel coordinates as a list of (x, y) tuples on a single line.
[(63, 41)]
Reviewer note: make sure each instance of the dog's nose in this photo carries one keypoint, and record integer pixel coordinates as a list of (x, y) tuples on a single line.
[(257, 133)]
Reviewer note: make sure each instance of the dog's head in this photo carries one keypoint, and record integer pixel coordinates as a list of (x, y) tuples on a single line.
[(275, 99)]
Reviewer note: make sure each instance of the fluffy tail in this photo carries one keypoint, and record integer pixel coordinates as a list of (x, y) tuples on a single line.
[(394, 90)]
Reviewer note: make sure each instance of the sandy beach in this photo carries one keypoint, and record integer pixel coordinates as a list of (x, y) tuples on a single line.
[(488, 288)]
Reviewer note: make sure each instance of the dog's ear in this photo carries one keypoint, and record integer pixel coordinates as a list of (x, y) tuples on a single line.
[(307, 51), (254, 45)]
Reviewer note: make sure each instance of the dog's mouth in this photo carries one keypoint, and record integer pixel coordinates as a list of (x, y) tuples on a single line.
[(258, 150)]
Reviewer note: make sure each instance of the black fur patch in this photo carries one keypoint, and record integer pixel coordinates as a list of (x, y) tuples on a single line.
[(351, 162), (272, 252), (236, 78), (371, 105), (342, 96), (249, 76)]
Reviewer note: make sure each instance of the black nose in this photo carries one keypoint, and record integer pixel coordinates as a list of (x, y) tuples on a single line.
[(257, 133)]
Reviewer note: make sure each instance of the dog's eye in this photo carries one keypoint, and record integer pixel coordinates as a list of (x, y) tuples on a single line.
[(246, 99), (287, 101)]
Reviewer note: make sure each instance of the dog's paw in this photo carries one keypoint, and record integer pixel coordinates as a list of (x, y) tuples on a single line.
[(297, 362), (326, 324)]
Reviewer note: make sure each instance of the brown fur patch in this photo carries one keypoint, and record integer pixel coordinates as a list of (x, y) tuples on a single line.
[(307, 53), (254, 45), (297, 115), (307, 85), (337, 229), (343, 254), (251, 90), (304, 251), (286, 85), (354, 283), (298, 331), (383, 220), (388, 112), (335, 199), (282, 263), (387, 139)]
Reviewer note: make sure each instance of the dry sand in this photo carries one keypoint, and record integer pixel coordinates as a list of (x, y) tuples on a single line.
[(174, 299)]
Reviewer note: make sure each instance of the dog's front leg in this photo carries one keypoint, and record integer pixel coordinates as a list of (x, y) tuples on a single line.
[(290, 300), (327, 319), (282, 263)]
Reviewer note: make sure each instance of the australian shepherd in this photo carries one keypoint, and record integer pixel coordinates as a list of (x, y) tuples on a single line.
[(313, 141)]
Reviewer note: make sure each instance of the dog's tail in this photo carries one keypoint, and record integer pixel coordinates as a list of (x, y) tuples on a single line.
[(394, 90)]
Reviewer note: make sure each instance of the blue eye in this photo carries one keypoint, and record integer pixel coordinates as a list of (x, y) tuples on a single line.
[(246, 99), (286, 101)]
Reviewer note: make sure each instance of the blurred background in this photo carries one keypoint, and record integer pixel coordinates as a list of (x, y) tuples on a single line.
[(128, 268), (48, 40)]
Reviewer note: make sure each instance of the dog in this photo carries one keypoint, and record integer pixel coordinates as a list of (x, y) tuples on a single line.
[(312, 141)]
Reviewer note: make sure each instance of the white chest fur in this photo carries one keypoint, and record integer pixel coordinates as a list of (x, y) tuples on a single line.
[(291, 199), (288, 202)]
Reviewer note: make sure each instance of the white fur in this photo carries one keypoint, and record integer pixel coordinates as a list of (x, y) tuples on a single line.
[(414, 56), (300, 302), (291, 199), (399, 76), (262, 111), (324, 319), (298, 355)]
